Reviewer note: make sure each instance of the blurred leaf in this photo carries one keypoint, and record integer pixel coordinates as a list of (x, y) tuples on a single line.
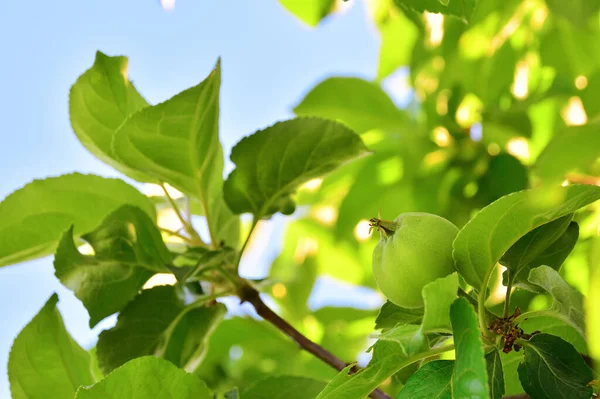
[(35, 216), (128, 249), (146, 377), (578, 12), (100, 100), (469, 378), (567, 300), (392, 315), (291, 153), (463, 9), (575, 148), (360, 104), (398, 36), (438, 296), (505, 175), (177, 142), (571, 50), (593, 301), (482, 242), (44, 361), (157, 322), (432, 380), (309, 11), (284, 387), (495, 374), (552, 362)]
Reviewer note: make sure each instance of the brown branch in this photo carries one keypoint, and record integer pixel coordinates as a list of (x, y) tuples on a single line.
[(249, 294)]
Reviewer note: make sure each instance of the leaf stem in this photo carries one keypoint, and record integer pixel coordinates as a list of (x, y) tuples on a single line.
[(241, 253), (481, 309), (175, 234), (195, 237), (508, 293)]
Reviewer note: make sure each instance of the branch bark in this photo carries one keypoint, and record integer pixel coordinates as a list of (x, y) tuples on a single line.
[(249, 294)]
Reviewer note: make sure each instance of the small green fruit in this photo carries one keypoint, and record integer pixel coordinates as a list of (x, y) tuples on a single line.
[(414, 250)]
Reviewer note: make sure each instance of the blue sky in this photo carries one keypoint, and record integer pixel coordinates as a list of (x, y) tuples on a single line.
[(269, 61)]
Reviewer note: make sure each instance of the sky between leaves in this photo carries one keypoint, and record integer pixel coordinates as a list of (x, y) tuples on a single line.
[(269, 61)]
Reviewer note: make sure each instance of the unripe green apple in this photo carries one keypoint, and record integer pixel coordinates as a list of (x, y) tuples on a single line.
[(414, 250)]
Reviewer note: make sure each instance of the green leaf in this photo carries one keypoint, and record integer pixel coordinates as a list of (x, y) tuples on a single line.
[(284, 387), (177, 142), (438, 297), (392, 315), (309, 11), (578, 12), (45, 362), (432, 380), (395, 350), (469, 379), (495, 374), (481, 243), (575, 148), (510, 364), (128, 249), (360, 104), (593, 301), (147, 377), (100, 100), (553, 368), (553, 256), (272, 163), (567, 300), (505, 175), (35, 216), (157, 322), (398, 37), (299, 279), (462, 9), (555, 323)]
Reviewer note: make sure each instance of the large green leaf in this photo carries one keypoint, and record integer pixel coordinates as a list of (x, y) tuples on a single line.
[(469, 378), (576, 147), (360, 104), (177, 142), (495, 374), (157, 322), (390, 315), (35, 216), (567, 300), (555, 323), (147, 377), (284, 387), (462, 9), (45, 362), (128, 249), (578, 12), (481, 243), (100, 100), (309, 11), (432, 380), (398, 37), (438, 297), (272, 163), (553, 369)]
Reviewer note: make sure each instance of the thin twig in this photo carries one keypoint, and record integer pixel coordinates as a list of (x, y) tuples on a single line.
[(243, 249), (175, 234), (508, 293), (249, 294), (195, 237)]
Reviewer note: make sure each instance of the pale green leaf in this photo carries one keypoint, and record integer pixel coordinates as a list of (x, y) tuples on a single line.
[(147, 377), (481, 243), (390, 315), (272, 163), (578, 12), (309, 11), (100, 100), (284, 387), (398, 37), (462, 9), (469, 379), (555, 323), (438, 296), (45, 362), (432, 380), (35, 216), (360, 104)]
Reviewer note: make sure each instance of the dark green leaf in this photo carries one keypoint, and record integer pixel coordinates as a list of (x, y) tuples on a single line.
[(391, 315), (482, 242), (495, 374), (360, 104), (309, 11), (147, 377), (272, 163), (128, 249), (505, 175), (463, 9), (157, 322), (284, 387), (100, 100), (177, 142), (432, 380), (45, 362), (35, 216), (553, 369), (469, 378)]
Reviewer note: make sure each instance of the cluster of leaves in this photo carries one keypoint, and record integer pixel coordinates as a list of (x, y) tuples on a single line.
[(175, 341)]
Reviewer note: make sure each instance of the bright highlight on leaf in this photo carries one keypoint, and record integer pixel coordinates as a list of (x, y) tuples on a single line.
[(573, 113), (362, 231), (435, 27), (520, 87)]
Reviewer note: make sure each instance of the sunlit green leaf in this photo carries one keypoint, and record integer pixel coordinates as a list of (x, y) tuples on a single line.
[(391, 315), (438, 296), (35, 216), (284, 387), (578, 12), (272, 163), (146, 377), (460, 8), (45, 362), (398, 36), (553, 368), (309, 11), (432, 380)]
